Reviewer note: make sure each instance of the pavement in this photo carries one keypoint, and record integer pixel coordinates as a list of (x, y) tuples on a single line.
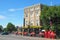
[(19, 37)]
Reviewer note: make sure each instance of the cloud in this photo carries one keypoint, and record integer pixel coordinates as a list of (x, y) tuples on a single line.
[(16, 9), (11, 10), (2, 17)]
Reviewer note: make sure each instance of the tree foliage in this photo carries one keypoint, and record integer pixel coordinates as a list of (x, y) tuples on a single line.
[(5, 29), (1, 28), (11, 27), (50, 12)]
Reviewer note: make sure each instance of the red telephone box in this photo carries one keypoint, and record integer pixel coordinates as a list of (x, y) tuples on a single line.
[(46, 34), (53, 35), (49, 34)]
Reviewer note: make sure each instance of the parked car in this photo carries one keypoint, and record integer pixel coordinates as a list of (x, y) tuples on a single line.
[(4, 33)]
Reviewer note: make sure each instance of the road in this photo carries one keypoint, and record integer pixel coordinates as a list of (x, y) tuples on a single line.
[(18, 37)]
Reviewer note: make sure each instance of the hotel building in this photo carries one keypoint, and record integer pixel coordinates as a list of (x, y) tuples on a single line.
[(32, 15)]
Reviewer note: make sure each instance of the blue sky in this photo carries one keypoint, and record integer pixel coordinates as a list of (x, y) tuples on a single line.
[(13, 10)]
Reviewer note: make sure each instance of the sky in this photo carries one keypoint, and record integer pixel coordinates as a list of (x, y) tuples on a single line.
[(13, 10)]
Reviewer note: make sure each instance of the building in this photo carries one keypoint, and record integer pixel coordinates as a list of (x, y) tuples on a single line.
[(32, 15)]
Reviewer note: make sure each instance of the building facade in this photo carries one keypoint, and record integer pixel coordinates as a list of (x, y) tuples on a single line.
[(32, 15)]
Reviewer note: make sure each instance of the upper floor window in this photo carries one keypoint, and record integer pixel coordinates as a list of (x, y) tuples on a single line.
[(31, 13), (26, 22), (26, 12), (26, 15), (37, 8), (31, 22), (37, 13), (37, 22), (31, 9)]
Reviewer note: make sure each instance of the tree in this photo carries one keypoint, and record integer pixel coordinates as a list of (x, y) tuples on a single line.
[(51, 15), (11, 27), (52, 12), (5, 29), (1, 28), (44, 18)]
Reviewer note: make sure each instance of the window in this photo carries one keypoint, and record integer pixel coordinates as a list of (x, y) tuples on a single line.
[(31, 9), (31, 13), (37, 8), (37, 13), (26, 22), (37, 22), (26, 15), (31, 22), (26, 12)]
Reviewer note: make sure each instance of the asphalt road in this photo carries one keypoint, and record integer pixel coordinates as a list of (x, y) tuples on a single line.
[(18, 37)]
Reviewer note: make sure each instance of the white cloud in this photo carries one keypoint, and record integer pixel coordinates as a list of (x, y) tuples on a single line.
[(2, 17), (12, 10)]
